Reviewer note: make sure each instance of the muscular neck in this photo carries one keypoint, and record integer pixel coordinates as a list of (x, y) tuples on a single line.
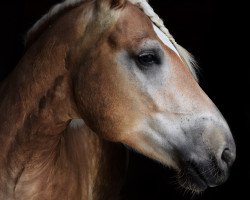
[(36, 105)]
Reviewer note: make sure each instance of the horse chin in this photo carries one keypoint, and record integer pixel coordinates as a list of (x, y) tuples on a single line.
[(197, 176), (190, 178)]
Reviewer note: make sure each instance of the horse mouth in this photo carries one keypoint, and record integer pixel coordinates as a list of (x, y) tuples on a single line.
[(191, 178)]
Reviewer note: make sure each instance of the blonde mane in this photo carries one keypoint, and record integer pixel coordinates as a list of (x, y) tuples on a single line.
[(147, 9)]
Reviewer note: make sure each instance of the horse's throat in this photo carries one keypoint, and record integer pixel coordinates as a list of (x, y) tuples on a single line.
[(90, 168)]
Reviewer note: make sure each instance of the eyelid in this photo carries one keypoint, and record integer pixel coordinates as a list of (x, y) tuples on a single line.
[(155, 54), (148, 51)]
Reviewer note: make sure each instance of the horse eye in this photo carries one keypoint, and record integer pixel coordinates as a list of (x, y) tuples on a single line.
[(148, 59)]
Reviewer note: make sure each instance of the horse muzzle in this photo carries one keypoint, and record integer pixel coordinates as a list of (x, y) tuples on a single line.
[(198, 176), (207, 160)]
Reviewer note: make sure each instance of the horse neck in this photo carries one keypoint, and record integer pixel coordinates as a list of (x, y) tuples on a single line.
[(39, 89), (38, 84), (35, 107)]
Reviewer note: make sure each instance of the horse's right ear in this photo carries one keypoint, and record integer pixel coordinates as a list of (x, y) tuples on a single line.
[(111, 4)]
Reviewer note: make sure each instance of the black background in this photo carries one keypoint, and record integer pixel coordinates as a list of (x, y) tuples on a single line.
[(215, 32)]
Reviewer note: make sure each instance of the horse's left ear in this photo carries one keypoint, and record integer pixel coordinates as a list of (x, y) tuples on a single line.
[(113, 4)]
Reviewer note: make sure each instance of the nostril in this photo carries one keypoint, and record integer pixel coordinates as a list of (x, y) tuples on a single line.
[(227, 156)]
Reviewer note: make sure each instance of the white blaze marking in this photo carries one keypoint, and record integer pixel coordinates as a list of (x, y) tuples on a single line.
[(165, 39)]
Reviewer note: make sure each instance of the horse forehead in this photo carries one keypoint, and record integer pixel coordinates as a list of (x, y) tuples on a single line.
[(132, 27), (134, 15)]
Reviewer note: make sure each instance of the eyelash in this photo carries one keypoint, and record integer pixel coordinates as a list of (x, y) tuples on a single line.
[(148, 59)]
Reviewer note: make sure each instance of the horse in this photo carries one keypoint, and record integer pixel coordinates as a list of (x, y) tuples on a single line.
[(99, 76)]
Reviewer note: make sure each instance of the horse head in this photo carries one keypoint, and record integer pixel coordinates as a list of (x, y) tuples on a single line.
[(133, 84)]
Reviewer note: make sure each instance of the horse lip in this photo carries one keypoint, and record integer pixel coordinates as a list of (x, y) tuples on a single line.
[(191, 178), (201, 177), (197, 176)]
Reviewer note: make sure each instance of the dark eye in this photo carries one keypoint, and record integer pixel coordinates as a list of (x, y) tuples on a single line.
[(148, 59)]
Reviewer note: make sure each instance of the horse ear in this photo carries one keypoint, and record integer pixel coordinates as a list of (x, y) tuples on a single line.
[(112, 4)]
